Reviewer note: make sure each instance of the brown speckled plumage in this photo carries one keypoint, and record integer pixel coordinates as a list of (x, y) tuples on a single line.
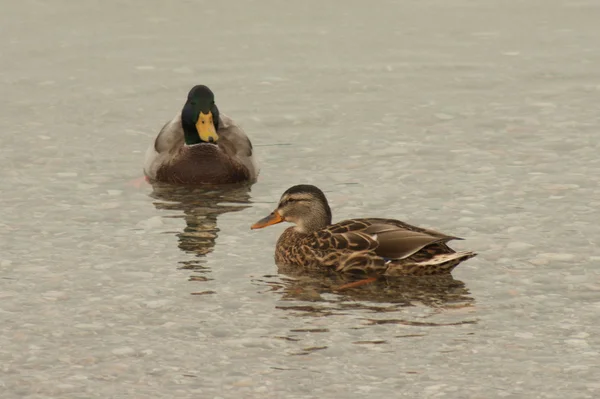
[(370, 246)]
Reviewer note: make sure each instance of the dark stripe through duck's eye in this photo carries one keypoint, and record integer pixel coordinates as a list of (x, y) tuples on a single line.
[(289, 201)]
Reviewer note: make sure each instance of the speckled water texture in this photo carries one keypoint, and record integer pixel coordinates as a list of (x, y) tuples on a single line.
[(477, 118)]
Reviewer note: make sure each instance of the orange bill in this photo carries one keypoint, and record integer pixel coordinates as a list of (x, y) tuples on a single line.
[(273, 218)]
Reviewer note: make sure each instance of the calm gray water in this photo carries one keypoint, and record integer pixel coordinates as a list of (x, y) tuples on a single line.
[(477, 118)]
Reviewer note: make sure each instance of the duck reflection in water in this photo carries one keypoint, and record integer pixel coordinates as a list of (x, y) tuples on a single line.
[(339, 291), (201, 207), (416, 303)]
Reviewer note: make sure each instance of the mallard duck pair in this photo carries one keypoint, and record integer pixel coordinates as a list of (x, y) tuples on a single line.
[(201, 145)]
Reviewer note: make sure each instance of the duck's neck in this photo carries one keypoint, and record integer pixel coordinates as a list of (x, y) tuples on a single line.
[(318, 220), (191, 137)]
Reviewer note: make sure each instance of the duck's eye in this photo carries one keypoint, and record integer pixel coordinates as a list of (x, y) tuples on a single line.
[(288, 201)]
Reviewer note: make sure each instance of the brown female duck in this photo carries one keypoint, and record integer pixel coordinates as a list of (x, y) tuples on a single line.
[(201, 146), (370, 246)]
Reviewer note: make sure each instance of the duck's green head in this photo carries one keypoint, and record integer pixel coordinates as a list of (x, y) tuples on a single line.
[(200, 116)]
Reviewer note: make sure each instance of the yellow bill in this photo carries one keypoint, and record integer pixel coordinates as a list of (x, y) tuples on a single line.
[(206, 128)]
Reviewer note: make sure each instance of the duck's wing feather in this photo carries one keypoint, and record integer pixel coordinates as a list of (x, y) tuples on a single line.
[(170, 137), (234, 142), (387, 238), (398, 243), (164, 147)]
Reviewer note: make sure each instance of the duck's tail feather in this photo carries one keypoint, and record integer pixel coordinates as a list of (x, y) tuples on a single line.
[(439, 264)]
